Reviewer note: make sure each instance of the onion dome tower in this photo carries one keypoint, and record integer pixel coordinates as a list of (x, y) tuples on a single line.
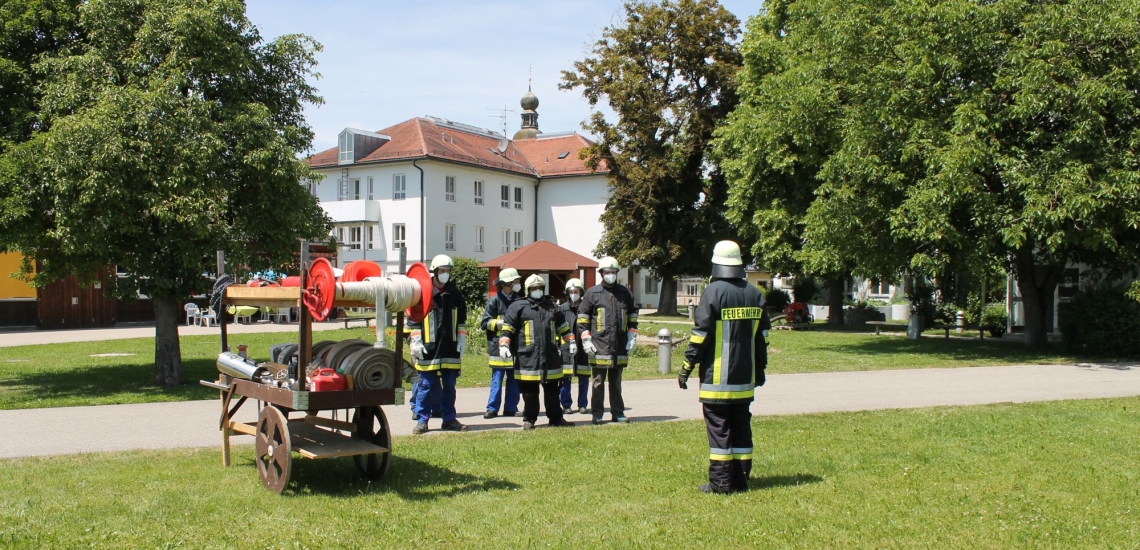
[(529, 104)]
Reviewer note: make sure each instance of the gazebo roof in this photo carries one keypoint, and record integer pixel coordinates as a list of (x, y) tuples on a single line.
[(542, 256)]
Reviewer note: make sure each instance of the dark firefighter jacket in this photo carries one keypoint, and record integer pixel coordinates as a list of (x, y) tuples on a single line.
[(440, 329), (726, 343), (534, 328), (608, 313), (491, 322), (580, 363)]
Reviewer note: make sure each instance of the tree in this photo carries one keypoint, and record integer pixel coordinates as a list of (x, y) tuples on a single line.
[(668, 75), (28, 30), (983, 132), (471, 280), (173, 132)]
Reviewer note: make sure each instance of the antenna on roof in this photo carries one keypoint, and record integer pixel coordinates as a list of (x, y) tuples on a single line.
[(502, 116)]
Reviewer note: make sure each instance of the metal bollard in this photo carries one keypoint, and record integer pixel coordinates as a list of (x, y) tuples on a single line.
[(960, 322), (664, 351), (691, 310)]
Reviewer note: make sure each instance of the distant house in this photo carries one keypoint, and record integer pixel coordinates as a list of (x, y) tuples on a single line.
[(435, 186)]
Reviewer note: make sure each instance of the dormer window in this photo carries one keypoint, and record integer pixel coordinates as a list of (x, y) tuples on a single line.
[(346, 148)]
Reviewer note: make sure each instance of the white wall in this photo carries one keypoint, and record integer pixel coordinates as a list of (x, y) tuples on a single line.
[(570, 211), (466, 215)]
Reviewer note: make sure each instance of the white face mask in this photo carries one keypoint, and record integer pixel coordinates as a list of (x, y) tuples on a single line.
[(442, 277), (536, 294), (516, 288), (574, 296), (609, 278)]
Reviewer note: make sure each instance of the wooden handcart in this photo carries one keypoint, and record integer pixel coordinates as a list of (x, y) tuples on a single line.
[(288, 420)]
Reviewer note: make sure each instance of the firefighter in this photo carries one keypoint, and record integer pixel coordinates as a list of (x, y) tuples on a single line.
[(504, 387), (531, 331), (437, 344), (576, 364), (728, 346), (607, 317)]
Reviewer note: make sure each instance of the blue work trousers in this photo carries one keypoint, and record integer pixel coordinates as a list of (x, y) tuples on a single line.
[(511, 388), (436, 385), (583, 391), (435, 407)]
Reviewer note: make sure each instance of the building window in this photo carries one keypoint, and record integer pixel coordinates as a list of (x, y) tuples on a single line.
[(340, 235), (506, 240), (880, 287), (478, 192), (398, 239), (449, 236), (354, 235), (518, 240), (399, 187), (692, 289), (505, 196), (518, 198), (313, 188), (356, 189), (345, 147), (371, 188), (478, 239), (373, 235), (449, 188), (650, 285)]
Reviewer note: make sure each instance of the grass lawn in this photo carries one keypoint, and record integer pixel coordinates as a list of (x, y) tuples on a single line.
[(1060, 474), (58, 375)]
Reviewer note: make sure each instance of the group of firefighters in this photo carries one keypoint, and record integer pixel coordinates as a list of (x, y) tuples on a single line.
[(533, 343)]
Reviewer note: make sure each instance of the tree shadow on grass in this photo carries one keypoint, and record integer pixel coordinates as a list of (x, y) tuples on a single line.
[(953, 349), (408, 478), (98, 383), (771, 482)]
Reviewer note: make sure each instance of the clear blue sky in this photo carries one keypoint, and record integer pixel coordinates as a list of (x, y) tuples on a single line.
[(385, 62)]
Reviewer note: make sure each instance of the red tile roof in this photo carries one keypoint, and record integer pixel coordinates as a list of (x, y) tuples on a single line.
[(428, 137), (542, 256)]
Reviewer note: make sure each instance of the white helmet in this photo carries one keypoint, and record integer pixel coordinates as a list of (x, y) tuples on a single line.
[(508, 275), (535, 280), (574, 283), (727, 262), (608, 263), (442, 260)]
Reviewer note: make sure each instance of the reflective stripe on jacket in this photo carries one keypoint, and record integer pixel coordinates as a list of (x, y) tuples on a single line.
[(726, 343), (580, 363), (491, 323), (440, 328), (608, 313), (534, 329)]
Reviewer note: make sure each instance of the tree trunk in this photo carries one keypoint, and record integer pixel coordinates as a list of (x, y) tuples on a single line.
[(835, 301), (668, 305), (1037, 285), (167, 354)]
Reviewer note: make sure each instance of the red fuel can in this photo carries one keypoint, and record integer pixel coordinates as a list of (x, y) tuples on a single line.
[(328, 380)]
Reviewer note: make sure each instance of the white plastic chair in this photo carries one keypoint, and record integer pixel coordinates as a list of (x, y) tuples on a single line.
[(208, 317), (192, 313), (279, 315)]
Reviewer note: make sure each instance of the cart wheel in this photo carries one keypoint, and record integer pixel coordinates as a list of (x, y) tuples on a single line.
[(372, 426), (274, 449)]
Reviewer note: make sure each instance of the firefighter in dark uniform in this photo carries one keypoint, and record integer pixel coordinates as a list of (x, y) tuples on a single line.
[(531, 331), (574, 365), (608, 319), (437, 343), (728, 346), (504, 387)]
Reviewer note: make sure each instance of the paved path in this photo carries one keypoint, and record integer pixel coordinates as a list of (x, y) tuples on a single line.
[(40, 432), (29, 337)]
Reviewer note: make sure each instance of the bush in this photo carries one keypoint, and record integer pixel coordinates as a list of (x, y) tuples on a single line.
[(1102, 320), (776, 300), (804, 290), (994, 320), (471, 280), (476, 337), (922, 302)]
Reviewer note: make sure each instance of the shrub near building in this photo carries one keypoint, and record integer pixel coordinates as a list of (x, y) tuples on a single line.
[(1103, 320)]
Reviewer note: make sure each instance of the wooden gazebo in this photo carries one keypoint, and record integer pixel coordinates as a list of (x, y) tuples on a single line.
[(556, 264)]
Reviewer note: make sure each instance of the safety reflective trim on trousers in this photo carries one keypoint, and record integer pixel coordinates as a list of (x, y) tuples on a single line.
[(438, 361), (720, 454), (742, 453), (697, 336)]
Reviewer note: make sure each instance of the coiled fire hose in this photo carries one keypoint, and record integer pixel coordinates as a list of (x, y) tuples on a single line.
[(391, 293)]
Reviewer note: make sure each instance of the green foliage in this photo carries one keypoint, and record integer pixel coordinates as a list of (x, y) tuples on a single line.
[(994, 319), (1101, 320), (776, 299), (471, 280), (922, 301), (476, 336), (804, 290), (1134, 291), (668, 73)]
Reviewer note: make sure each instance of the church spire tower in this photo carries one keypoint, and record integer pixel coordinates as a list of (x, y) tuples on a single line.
[(529, 104)]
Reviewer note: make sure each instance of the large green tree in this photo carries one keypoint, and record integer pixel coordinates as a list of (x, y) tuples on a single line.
[(172, 133), (668, 74), (996, 132)]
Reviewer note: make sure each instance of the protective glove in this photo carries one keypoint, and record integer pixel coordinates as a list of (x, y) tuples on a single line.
[(631, 339), (760, 379), (505, 347), (588, 344), (573, 348), (418, 349), (683, 377), (765, 333), (462, 343)]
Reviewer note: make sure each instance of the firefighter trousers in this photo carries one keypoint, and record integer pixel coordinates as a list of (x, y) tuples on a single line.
[(529, 391), (730, 446)]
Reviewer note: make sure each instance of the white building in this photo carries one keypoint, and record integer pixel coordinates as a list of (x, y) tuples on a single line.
[(435, 186)]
